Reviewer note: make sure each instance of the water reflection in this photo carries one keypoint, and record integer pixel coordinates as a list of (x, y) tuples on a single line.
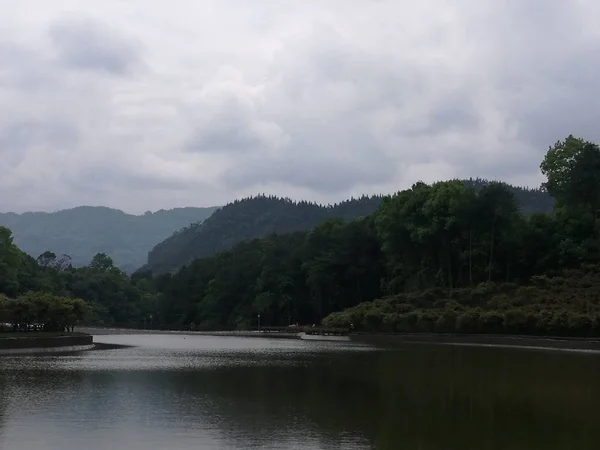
[(238, 394)]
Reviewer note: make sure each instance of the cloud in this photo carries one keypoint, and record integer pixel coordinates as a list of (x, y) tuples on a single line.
[(17, 138), (341, 160), (140, 105), (88, 44), (228, 128)]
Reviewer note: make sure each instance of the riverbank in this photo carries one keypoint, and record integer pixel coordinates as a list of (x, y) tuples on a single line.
[(241, 333), (391, 340), (34, 343), (228, 333), (479, 340)]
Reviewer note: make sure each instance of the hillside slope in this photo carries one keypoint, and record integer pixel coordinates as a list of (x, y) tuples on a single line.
[(260, 216), (246, 219), (84, 231)]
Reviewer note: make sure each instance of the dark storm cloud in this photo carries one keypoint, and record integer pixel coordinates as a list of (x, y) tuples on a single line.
[(91, 45)]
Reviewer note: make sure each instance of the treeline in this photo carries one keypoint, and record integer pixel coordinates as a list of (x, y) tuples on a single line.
[(531, 200), (298, 277), (450, 256), (249, 218), (39, 311), (450, 243), (48, 293), (260, 216)]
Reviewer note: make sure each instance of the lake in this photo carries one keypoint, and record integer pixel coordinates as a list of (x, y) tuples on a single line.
[(199, 392)]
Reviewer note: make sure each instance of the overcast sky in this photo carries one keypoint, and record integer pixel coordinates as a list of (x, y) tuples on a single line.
[(149, 104)]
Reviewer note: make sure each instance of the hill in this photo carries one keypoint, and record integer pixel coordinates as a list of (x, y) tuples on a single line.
[(84, 231), (245, 219), (260, 216)]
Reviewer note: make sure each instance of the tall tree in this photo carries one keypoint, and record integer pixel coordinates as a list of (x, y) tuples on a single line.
[(11, 259), (572, 168)]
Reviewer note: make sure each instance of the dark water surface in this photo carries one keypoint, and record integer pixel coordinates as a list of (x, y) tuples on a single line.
[(191, 392)]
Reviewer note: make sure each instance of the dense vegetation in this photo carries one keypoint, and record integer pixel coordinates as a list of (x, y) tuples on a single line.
[(38, 311), (85, 231), (498, 271), (441, 256), (249, 218), (467, 256), (258, 217), (51, 294)]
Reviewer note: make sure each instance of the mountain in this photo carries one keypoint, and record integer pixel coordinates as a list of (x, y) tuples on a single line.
[(84, 231), (245, 219), (259, 216)]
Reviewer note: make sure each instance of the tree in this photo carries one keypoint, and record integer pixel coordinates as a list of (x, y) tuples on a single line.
[(11, 259), (572, 168), (63, 263), (47, 259), (46, 312), (498, 211), (5, 311), (101, 261)]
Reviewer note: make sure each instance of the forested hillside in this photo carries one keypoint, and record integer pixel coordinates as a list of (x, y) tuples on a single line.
[(249, 218), (260, 216), (84, 231), (441, 257)]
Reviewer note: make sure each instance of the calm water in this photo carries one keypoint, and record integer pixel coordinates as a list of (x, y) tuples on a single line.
[(175, 392)]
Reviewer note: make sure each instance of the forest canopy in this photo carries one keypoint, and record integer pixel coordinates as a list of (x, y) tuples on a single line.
[(263, 215)]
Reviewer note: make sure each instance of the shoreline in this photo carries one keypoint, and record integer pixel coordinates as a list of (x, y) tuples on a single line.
[(481, 340), (83, 340), (391, 340), (28, 343)]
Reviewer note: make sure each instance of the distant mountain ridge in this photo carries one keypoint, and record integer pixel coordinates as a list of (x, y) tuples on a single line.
[(259, 216), (83, 231)]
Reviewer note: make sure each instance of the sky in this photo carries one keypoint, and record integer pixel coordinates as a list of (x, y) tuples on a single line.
[(148, 104)]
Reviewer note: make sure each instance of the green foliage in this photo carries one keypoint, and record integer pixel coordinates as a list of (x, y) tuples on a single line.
[(567, 305), (249, 218), (42, 312), (84, 231), (298, 277), (46, 291), (11, 260), (530, 201), (260, 216), (572, 168)]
